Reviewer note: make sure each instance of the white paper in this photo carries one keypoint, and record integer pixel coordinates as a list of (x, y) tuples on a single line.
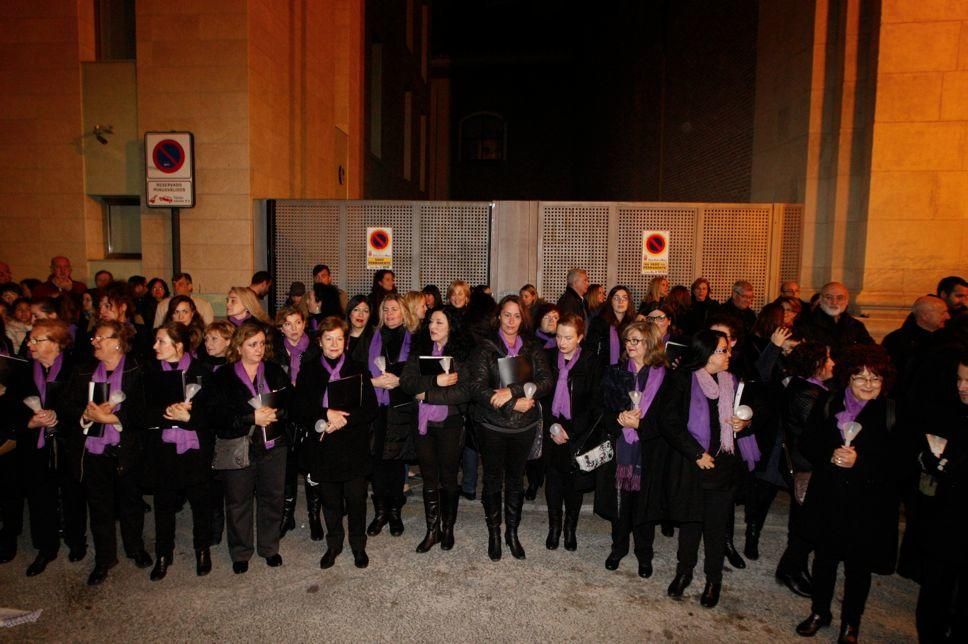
[(116, 398), (739, 397), (937, 444), (191, 391), (33, 402), (636, 397), (556, 429), (255, 402), (850, 431), (445, 364), (321, 426), (381, 363)]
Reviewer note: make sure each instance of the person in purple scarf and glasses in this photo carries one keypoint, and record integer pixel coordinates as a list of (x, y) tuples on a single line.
[(851, 508), (712, 450), (40, 443), (440, 421), (110, 464), (629, 488), (572, 409), (248, 374), (178, 446), (336, 456), (605, 329)]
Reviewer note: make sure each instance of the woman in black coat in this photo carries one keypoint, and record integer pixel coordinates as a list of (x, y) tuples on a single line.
[(360, 331), (711, 456), (336, 456), (572, 410), (106, 450), (629, 489), (178, 445), (250, 373), (507, 420), (851, 509), (604, 337), (439, 430)]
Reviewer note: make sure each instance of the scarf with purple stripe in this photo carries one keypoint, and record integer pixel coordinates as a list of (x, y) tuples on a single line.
[(852, 408), (549, 340), (704, 387), (628, 456), (376, 349), (817, 381), (512, 349), (334, 374), (237, 321), (183, 439), (40, 381), (427, 413), (614, 345), (110, 435), (295, 355), (260, 386), (561, 403)]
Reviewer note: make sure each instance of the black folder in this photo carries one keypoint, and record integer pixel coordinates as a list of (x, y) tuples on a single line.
[(675, 350), (346, 393), (171, 387), (514, 371), (273, 430), (431, 365), (10, 366)]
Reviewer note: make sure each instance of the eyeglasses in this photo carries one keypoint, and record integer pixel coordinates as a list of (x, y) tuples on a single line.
[(722, 351), (35, 341), (634, 341), (99, 338), (867, 380), (653, 318)]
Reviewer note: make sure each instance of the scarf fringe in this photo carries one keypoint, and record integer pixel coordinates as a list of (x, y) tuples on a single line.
[(628, 478)]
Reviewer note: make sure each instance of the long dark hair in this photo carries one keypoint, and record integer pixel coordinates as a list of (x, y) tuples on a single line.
[(525, 314), (355, 301), (704, 343), (458, 340)]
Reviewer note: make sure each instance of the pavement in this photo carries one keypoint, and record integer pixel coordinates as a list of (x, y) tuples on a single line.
[(456, 596)]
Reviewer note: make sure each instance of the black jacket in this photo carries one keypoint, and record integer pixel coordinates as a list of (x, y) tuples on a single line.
[(37, 465), (232, 416), (571, 302), (456, 397), (584, 379), (802, 401), (485, 379), (817, 326)]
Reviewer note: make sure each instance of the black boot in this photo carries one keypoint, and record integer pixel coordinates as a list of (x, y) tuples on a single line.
[(448, 516), (572, 510), (313, 505), (203, 562), (288, 514), (554, 528), (512, 518), (393, 514), (752, 547), (380, 517), (492, 517), (161, 568), (733, 557), (431, 499)]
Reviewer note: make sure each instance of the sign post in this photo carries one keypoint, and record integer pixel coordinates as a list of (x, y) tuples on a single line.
[(170, 180)]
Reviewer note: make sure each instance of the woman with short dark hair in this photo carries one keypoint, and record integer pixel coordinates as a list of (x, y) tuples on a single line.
[(181, 309)]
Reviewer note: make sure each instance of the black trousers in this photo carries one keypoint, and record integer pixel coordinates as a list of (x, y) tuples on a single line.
[(73, 503), (942, 602), (166, 506), (216, 500), (536, 472), (389, 477), (42, 504), (504, 456), (857, 585), (11, 503), (759, 498), (438, 453), (622, 527), (263, 479), (717, 510), (104, 486), (349, 498), (798, 548)]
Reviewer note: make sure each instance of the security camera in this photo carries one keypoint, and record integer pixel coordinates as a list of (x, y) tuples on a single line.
[(100, 131)]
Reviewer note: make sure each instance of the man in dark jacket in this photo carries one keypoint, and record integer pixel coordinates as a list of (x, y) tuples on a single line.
[(928, 314), (60, 281), (831, 324), (954, 291), (739, 305), (573, 299)]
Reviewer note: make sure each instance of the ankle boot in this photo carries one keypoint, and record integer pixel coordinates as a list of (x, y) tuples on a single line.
[(554, 528), (572, 510), (203, 562), (492, 517), (512, 519), (161, 568), (380, 517), (431, 499), (752, 547), (393, 515), (448, 516), (288, 515), (313, 505), (733, 557)]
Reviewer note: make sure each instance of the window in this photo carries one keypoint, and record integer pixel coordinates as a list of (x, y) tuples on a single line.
[(122, 228), (376, 100), (114, 23), (483, 137)]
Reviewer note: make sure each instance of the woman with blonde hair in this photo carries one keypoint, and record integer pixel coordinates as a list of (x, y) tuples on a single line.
[(458, 295), (241, 304), (417, 307)]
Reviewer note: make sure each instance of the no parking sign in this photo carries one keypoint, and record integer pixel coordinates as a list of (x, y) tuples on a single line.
[(379, 248), (655, 252), (170, 169)]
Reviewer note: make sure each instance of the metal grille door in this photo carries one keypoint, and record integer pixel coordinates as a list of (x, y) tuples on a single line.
[(455, 242), (571, 236), (791, 227), (362, 215), (735, 244), (306, 234), (679, 220)]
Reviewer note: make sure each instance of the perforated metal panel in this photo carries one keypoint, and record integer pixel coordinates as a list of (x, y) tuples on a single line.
[(736, 245), (679, 220), (307, 233), (791, 241), (571, 236), (455, 241), (360, 216)]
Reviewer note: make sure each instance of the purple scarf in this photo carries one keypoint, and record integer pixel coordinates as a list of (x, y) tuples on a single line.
[(182, 439), (260, 386), (512, 349), (817, 381), (295, 355), (334, 374), (238, 321), (614, 345), (549, 340), (110, 436), (41, 383), (561, 403), (704, 387), (376, 348), (427, 413), (852, 408), (628, 457)]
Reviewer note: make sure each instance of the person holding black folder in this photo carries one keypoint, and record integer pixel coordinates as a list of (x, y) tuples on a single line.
[(505, 363), (334, 395), (178, 445), (251, 396), (436, 374), (107, 399), (388, 351), (570, 415)]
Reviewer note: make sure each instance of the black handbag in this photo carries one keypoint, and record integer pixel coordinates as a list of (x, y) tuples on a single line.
[(232, 453)]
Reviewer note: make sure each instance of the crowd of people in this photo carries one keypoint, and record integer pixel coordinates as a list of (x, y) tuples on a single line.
[(672, 412)]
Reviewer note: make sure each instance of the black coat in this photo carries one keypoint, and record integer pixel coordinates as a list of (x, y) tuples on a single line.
[(231, 414), (38, 465), (456, 397), (485, 379), (571, 302), (598, 340), (617, 381), (164, 467), (746, 316), (131, 415), (344, 454), (393, 424), (817, 326), (802, 401), (853, 512)]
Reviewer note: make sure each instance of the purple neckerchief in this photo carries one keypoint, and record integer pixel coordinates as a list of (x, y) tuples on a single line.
[(110, 436), (40, 380), (183, 439), (376, 348), (427, 413), (237, 321), (295, 355), (512, 349), (260, 382), (652, 384), (817, 381), (852, 408), (182, 365), (561, 402), (334, 374), (614, 345), (698, 424), (628, 468), (549, 340)]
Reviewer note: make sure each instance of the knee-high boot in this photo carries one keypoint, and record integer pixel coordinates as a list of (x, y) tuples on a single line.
[(572, 510), (380, 516), (512, 518), (313, 506), (448, 516), (492, 516), (431, 499)]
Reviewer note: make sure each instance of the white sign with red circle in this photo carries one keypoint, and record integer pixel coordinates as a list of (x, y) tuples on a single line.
[(655, 252), (170, 169)]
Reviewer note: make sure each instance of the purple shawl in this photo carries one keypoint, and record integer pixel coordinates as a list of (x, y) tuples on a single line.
[(40, 380), (427, 413), (295, 355), (238, 321), (183, 439), (260, 386), (549, 340), (699, 421), (561, 402), (334, 374), (183, 363), (614, 345), (817, 381), (376, 348), (628, 457), (852, 408), (111, 435), (513, 349)]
